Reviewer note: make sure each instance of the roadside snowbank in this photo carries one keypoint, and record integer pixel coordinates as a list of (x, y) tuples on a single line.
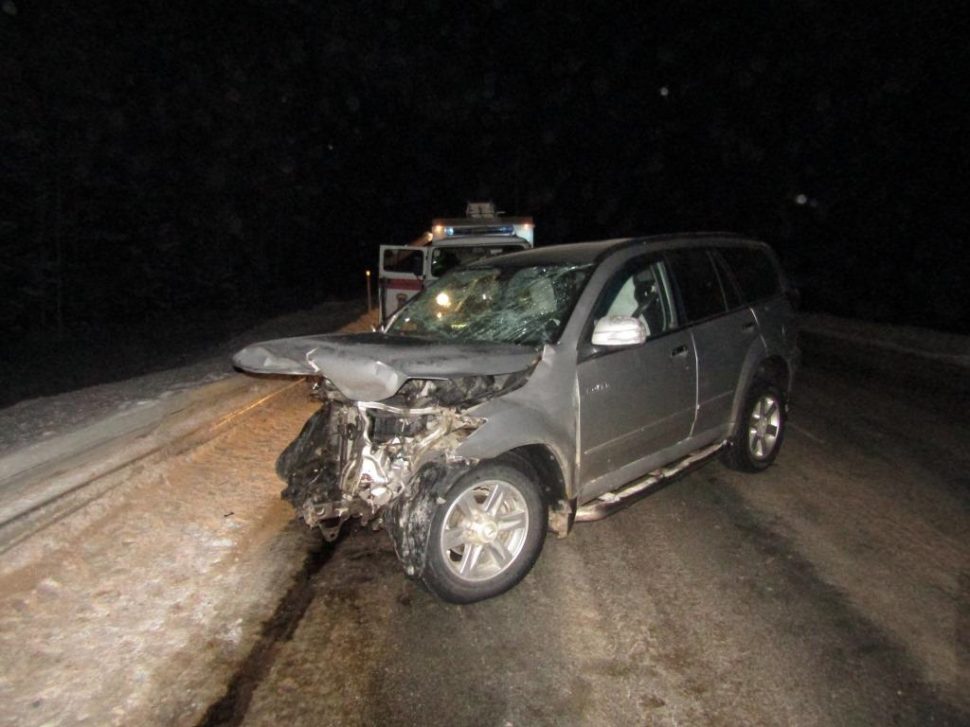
[(950, 348), (55, 451), (138, 603), (40, 419)]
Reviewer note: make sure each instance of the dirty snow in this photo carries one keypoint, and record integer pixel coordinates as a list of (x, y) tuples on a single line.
[(139, 606), (951, 348), (46, 417)]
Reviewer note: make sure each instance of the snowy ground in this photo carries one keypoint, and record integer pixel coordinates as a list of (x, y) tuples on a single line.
[(950, 348), (55, 450), (136, 605), (38, 419)]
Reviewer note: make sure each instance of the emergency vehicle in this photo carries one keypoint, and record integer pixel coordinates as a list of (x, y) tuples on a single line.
[(406, 269)]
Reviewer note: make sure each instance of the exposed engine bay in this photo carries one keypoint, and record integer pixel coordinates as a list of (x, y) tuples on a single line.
[(355, 458)]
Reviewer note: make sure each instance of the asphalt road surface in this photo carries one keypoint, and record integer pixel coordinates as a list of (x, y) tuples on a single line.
[(832, 589)]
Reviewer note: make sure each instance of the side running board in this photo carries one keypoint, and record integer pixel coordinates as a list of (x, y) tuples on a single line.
[(609, 502)]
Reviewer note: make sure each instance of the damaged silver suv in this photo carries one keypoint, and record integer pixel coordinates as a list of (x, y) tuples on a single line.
[(533, 390)]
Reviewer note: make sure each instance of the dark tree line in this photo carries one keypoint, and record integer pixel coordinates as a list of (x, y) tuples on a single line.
[(162, 158)]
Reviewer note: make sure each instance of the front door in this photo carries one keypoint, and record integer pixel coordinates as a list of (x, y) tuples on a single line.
[(635, 401), (402, 274)]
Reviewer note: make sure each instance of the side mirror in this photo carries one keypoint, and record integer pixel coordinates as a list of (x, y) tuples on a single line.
[(616, 331)]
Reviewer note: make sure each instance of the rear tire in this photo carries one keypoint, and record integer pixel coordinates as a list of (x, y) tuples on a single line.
[(760, 430), (486, 535)]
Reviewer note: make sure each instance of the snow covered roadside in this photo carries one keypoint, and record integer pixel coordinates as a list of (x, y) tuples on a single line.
[(913, 360), (43, 482), (37, 420), (949, 348), (137, 605), (51, 448)]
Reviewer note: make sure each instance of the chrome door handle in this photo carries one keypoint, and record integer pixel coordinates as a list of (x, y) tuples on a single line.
[(680, 352)]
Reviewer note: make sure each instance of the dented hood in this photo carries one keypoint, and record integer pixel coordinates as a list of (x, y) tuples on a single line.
[(373, 366)]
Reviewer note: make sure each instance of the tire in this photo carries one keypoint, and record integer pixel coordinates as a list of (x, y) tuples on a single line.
[(485, 535), (761, 428)]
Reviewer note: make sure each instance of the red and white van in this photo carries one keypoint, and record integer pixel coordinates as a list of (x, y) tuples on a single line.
[(406, 269)]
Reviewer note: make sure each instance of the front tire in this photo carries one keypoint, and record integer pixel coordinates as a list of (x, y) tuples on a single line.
[(486, 535), (757, 439)]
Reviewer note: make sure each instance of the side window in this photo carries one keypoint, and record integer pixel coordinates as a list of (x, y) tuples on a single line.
[(641, 290), (731, 293), (698, 283), (754, 272), (404, 260)]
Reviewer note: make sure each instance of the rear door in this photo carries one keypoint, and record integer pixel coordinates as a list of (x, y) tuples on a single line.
[(401, 276), (761, 287), (723, 330)]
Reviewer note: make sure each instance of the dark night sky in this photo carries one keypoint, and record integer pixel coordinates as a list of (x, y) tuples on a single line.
[(165, 157)]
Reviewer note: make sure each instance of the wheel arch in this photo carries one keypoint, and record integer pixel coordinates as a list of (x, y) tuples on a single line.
[(541, 462), (405, 516), (774, 370)]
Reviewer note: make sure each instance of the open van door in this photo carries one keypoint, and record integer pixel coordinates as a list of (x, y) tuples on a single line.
[(401, 276)]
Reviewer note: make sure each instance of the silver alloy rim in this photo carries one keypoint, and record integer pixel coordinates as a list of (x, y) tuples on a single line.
[(484, 530), (764, 427)]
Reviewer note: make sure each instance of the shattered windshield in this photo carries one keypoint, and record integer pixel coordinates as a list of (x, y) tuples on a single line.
[(498, 305)]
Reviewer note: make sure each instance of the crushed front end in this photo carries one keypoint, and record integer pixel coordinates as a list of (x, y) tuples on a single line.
[(355, 458)]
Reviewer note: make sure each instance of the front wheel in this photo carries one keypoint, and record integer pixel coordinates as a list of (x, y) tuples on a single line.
[(486, 535), (759, 433)]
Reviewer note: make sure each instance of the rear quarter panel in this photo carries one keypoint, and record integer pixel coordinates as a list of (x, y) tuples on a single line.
[(777, 325)]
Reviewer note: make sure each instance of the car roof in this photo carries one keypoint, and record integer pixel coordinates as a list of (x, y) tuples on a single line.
[(578, 253)]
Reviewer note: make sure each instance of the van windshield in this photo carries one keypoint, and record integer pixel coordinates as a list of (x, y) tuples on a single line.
[(444, 259), (526, 305)]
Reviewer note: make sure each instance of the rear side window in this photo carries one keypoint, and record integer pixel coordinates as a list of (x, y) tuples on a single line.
[(753, 271), (697, 280), (727, 282)]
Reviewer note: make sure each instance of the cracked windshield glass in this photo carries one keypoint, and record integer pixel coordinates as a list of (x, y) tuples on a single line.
[(526, 305)]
